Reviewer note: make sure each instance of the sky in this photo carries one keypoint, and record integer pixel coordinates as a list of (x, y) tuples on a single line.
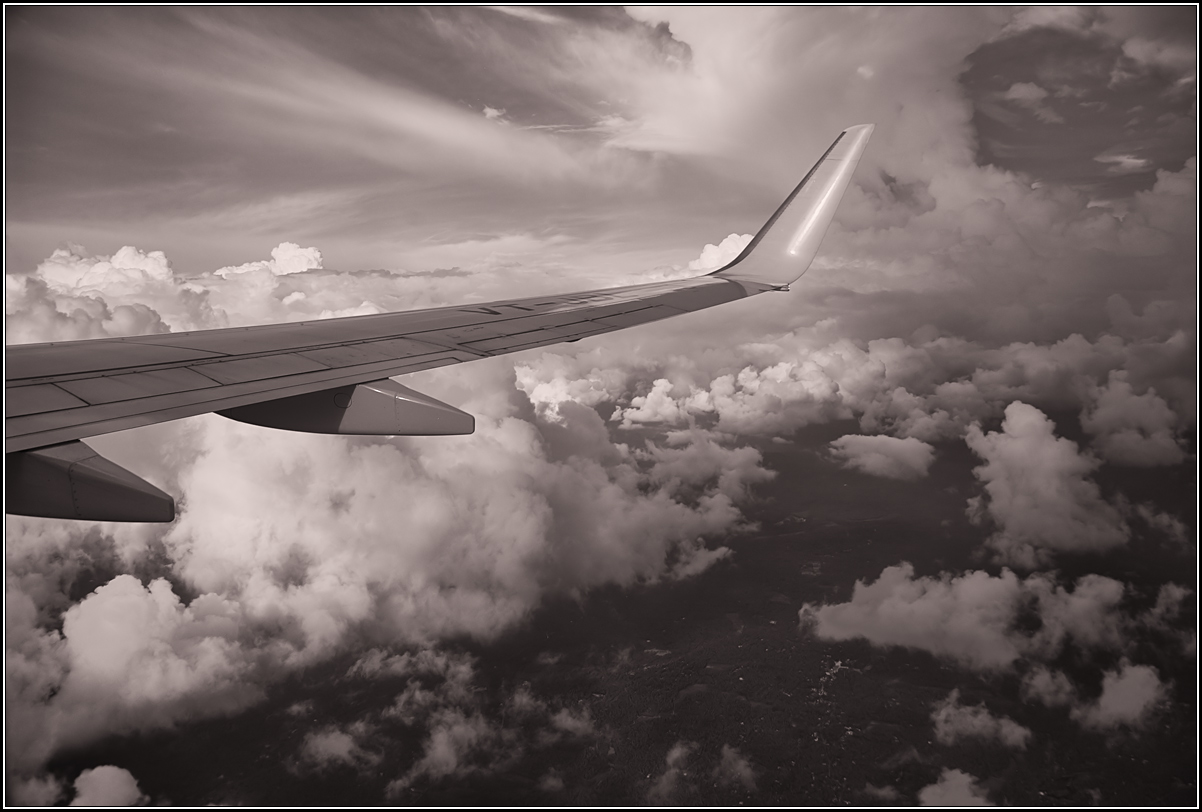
[(997, 341)]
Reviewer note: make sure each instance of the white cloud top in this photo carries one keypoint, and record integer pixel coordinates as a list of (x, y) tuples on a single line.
[(892, 457)]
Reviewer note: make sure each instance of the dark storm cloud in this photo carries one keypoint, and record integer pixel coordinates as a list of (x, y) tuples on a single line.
[(1119, 81)]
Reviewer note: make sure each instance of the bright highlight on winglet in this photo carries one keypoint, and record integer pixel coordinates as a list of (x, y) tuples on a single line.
[(784, 248), (332, 376)]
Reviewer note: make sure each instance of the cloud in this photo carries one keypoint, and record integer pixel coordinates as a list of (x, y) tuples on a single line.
[(551, 782), (286, 258), (38, 790), (954, 722), (1170, 602), (1052, 688), (333, 746), (666, 787), (462, 739), (1066, 18), (993, 624), (1130, 429), (717, 256), (657, 406), (891, 457), (954, 788), (527, 13), (426, 516), (107, 786), (458, 744), (634, 512), (1122, 163), (128, 658), (1031, 96), (972, 618), (734, 770), (455, 669), (945, 292), (1037, 492), (34, 313), (466, 727), (931, 389), (886, 793), (1149, 39), (1129, 696), (572, 724), (965, 618)]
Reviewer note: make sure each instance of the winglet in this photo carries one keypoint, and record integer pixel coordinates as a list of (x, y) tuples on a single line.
[(786, 245)]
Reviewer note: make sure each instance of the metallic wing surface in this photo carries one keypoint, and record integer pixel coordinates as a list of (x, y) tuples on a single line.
[(331, 375)]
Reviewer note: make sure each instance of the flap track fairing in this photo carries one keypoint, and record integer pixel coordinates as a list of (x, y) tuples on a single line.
[(71, 481), (380, 407)]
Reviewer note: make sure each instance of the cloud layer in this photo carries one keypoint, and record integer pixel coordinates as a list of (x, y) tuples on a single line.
[(956, 301)]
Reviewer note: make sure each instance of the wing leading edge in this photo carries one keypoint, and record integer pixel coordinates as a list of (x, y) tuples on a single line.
[(315, 376)]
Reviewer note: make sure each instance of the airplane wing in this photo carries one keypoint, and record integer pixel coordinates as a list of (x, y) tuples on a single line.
[(331, 376)]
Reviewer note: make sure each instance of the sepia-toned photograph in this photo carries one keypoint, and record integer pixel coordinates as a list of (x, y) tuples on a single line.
[(572, 406)]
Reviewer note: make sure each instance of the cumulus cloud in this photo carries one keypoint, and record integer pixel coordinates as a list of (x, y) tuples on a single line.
[(107, 786), (880, 455), (1031, 96), (286, 258), (466, 727), (38, 790), (734, 770), (551, 782), (458, 744), (984, 623), (954, 722), (333, 746), (33, 313), (529, 512), (128, 658), (945, 292), (954, 788), (1170, 601), (1037, 492), (1163, 523), (463, 738), (666, 787), (929, 389), (1130, 429), (972, 618), (714, 257), (887, 793), (1130, 694), (1052, 688), (72, 295)]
